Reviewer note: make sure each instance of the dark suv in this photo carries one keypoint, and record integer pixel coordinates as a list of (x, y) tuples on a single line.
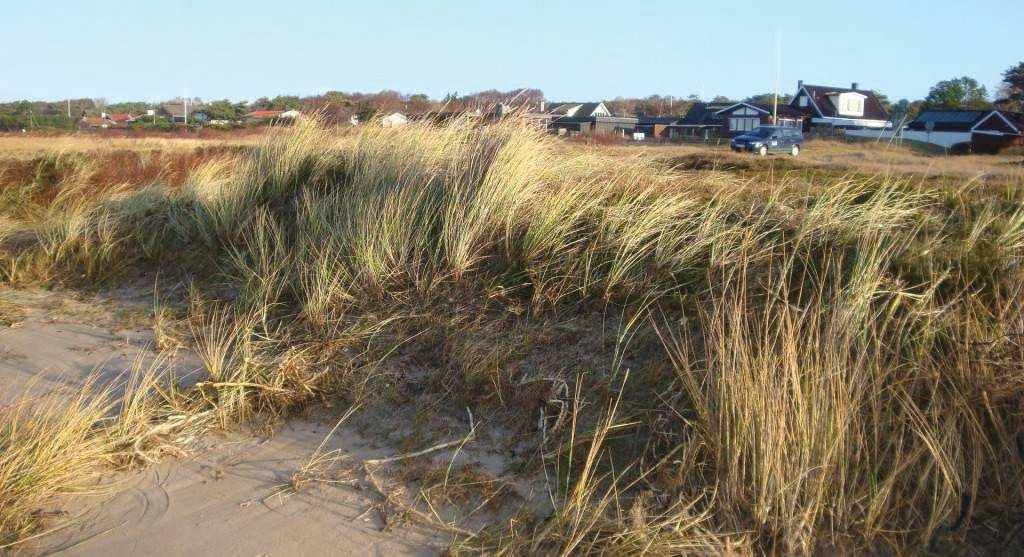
[(766, 139)]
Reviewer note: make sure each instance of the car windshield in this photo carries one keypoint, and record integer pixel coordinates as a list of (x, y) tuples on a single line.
[(762, 132)]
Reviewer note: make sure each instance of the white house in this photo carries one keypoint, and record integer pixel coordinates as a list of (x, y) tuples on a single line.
[(394, 120), (840, 107)]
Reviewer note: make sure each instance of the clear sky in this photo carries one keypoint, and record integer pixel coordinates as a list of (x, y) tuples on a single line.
[(146, 50)]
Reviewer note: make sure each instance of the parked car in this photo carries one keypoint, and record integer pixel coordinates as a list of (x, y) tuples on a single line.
[(766, 139)]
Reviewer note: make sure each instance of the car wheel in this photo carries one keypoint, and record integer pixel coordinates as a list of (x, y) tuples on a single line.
[(763, 151), (796, 150)]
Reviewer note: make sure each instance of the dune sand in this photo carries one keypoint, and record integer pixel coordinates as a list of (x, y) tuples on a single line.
[(228, 496)]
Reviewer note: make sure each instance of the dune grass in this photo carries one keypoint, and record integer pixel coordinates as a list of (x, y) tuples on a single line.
[(764, 364)]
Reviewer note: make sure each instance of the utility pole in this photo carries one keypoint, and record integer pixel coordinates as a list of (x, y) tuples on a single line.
[(186, 111), (69, 109), (778, 64)]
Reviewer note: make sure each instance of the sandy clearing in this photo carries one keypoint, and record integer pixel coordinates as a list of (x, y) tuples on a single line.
[(55, 339), (230, 495), (231, 499)]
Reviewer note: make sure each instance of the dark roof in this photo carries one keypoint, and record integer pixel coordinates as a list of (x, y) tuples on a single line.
[(177, 109), (947, 120), (1004, 121), (1015, 118), (561, 108), (820, 95), (703, 114), (650, 120), (784, 110)]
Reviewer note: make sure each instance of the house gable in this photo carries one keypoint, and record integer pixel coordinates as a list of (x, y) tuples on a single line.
[(804, 101), (601, 110), (828, 102), (742, 109), (578, 110), (995, 122)]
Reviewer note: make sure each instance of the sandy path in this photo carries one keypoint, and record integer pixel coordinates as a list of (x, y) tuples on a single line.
[(53, 339), (231, 499), (218, 501)]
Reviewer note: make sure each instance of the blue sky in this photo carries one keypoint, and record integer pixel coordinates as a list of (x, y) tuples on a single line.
[(144, 50)]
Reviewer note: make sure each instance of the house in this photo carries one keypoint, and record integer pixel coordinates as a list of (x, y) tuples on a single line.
[(945, 128), (996, 130), (839, 107), (979, 131), (121, 118), (575, 118), (654, 127), (702, 121), (256, 115), (290, 114), (713, 120), (183, 113), (175, 112), (739, 118), (96, 122), (394, 120)]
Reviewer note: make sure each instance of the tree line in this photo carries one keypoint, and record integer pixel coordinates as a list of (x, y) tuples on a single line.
[(339, 107)]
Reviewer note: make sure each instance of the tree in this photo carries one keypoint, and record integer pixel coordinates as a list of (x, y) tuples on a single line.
[(225, 110), (884, 101), (285, 102), (419, 104), (262, 103), (768, 98), (961, 92), (904, 111), (129, 107), (365, 110), (1012, 91)]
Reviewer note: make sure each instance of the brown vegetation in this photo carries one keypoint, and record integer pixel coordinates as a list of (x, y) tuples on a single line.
[(761, 361)]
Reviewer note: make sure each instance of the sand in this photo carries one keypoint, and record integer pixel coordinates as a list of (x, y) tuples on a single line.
[(232, 498), (229, 495), (55, 339)]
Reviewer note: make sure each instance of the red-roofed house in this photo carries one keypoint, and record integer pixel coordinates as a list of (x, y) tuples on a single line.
[(264, 114), (121, 117), (95, 122)]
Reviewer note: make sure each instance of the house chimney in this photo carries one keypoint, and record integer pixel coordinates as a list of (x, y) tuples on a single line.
[(853, 86), (799, 85)]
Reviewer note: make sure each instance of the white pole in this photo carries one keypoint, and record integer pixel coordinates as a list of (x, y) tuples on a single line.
[(778, 64), (186, 111)]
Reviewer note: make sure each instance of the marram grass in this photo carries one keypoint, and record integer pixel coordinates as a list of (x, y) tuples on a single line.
[(807, 365)]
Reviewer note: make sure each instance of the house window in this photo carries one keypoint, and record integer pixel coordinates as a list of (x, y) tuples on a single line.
[(743, 124), (803, 101), (851, 104)]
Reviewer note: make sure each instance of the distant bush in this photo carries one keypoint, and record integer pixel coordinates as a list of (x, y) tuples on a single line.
[(152, 124)]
